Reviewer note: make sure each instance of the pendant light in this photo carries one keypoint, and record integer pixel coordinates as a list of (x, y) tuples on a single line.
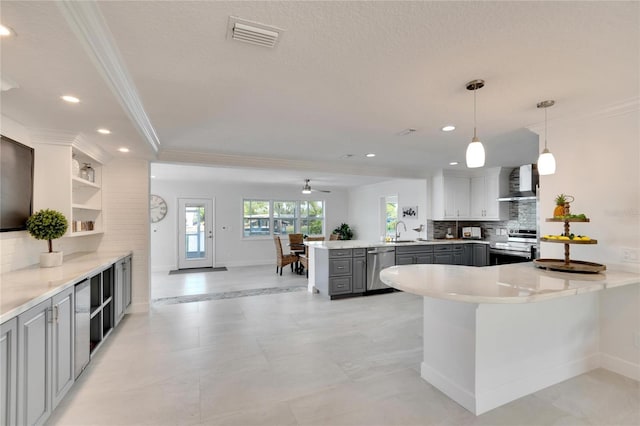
[(475, 150), (546, 161)]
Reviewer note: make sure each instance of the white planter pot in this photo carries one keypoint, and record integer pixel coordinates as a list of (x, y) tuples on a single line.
[(49, 260)]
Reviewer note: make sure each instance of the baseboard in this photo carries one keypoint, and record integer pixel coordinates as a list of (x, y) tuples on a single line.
[(487, 399), (449, 388), (138, 307), (533, 381), (620, 366)]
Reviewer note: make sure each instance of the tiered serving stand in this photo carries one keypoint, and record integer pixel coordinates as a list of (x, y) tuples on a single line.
[(566, 264)]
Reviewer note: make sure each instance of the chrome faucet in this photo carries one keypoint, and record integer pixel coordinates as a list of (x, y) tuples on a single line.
[(398, 233)]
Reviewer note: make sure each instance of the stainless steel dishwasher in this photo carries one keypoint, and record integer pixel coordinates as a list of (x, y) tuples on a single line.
[(83, 324), (378, 258)]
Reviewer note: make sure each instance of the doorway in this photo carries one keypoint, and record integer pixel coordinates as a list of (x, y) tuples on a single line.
[(195, 233)]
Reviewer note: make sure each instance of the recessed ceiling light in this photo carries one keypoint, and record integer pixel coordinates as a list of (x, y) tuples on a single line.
[(153, 177), (448, 128), (71, 99), (123, 149), (104, 131), (347, 156), (453, 163), (6, 31), (370, 155)]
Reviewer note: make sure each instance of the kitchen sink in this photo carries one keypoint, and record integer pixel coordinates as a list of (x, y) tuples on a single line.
[(404, 241)]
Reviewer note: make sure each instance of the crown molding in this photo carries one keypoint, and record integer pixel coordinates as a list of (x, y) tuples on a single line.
[(227, 160), (623, 107), (91, 29), (70, 139)]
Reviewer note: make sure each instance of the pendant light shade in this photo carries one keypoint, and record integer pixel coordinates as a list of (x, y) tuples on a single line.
[(475, 154), (546, 160), (475, 150)]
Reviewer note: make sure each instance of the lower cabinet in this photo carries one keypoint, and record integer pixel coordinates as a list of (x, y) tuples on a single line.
[(480, 255), (341, 272), (37, 352), (359, 271), (34, 365), (412, 255), (8, 371), (63, 327), (122, 289)]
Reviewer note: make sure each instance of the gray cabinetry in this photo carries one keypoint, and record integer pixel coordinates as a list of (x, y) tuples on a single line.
[(359, 277), (8, 371), (122, 287), (341, 272), (480, 255), (62, 348), (411, 255), (443, 254), (34, 365), (457, 254)]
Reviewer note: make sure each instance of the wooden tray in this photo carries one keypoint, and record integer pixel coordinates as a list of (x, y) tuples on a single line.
[(573, 266), (575, 219), (591, 241)]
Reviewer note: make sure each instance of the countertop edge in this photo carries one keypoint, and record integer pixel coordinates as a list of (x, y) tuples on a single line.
[(589, 287), (351, 244), (111, 258)]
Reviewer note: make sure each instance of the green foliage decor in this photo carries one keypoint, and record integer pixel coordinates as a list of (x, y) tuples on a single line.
[(47, 225), (344, 231)]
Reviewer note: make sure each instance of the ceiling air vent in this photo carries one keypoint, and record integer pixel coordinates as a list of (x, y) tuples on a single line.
[(253, 32)]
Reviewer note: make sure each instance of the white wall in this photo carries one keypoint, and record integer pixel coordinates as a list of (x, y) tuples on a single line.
[(231, 249), (598, 162), (364, 207), (125, 201)]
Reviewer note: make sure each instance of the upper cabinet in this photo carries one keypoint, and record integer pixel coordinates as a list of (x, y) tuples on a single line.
[(470, 195)]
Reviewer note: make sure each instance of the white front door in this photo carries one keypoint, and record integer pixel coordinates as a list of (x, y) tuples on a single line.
[(195, 233)]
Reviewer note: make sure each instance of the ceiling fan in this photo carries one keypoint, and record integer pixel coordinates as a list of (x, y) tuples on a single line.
[(306, 189)]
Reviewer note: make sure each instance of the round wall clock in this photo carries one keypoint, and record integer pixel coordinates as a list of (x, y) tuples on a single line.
[(157, 208)]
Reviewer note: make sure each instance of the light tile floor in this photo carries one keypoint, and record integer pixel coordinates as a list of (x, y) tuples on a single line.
[(298, 359)]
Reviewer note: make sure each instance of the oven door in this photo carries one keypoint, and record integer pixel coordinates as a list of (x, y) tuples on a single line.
[(504, 257)]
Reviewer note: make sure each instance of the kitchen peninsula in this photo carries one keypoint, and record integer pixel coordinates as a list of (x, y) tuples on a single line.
[(493, 335)]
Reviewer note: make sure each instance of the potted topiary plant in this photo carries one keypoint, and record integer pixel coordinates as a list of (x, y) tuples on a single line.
[(344, 232), (48, 225)]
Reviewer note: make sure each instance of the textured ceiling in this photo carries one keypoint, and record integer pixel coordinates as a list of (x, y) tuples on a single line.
[(345, 78)]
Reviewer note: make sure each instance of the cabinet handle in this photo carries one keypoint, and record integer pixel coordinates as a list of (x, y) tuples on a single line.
[(50, 316), (55, 313)]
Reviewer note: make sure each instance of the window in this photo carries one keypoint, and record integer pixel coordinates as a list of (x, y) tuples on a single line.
[(284, 217), (312, 217), (265, 217), (256, 218), (391, 216)]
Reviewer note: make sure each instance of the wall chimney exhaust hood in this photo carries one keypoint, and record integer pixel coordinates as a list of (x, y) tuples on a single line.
[(528, 184)]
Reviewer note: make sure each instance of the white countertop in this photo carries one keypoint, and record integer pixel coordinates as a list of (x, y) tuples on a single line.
[(351, 244), (24, 288), (515, 283)]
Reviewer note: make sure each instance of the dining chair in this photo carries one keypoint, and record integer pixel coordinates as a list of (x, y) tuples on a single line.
[(304, 258), (283, 259), (296, 242)]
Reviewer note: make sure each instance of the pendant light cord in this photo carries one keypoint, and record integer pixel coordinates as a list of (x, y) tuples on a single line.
[(474, 111), (545, 128)]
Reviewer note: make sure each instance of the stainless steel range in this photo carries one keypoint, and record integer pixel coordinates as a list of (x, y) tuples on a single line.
[(521, 246)]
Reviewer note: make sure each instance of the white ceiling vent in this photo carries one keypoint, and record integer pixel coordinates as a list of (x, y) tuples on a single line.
[(253, 32)]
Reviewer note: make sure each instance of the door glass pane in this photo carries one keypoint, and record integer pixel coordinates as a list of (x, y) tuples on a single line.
[(194, 232)]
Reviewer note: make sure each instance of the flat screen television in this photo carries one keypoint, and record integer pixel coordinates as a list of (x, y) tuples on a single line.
[(16, 184)]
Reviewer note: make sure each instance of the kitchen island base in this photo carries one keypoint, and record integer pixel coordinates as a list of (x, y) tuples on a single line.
[(485, 355)]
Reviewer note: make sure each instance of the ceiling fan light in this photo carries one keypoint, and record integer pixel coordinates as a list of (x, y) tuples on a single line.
[(306, 191), (546, 163), (475, 154)]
